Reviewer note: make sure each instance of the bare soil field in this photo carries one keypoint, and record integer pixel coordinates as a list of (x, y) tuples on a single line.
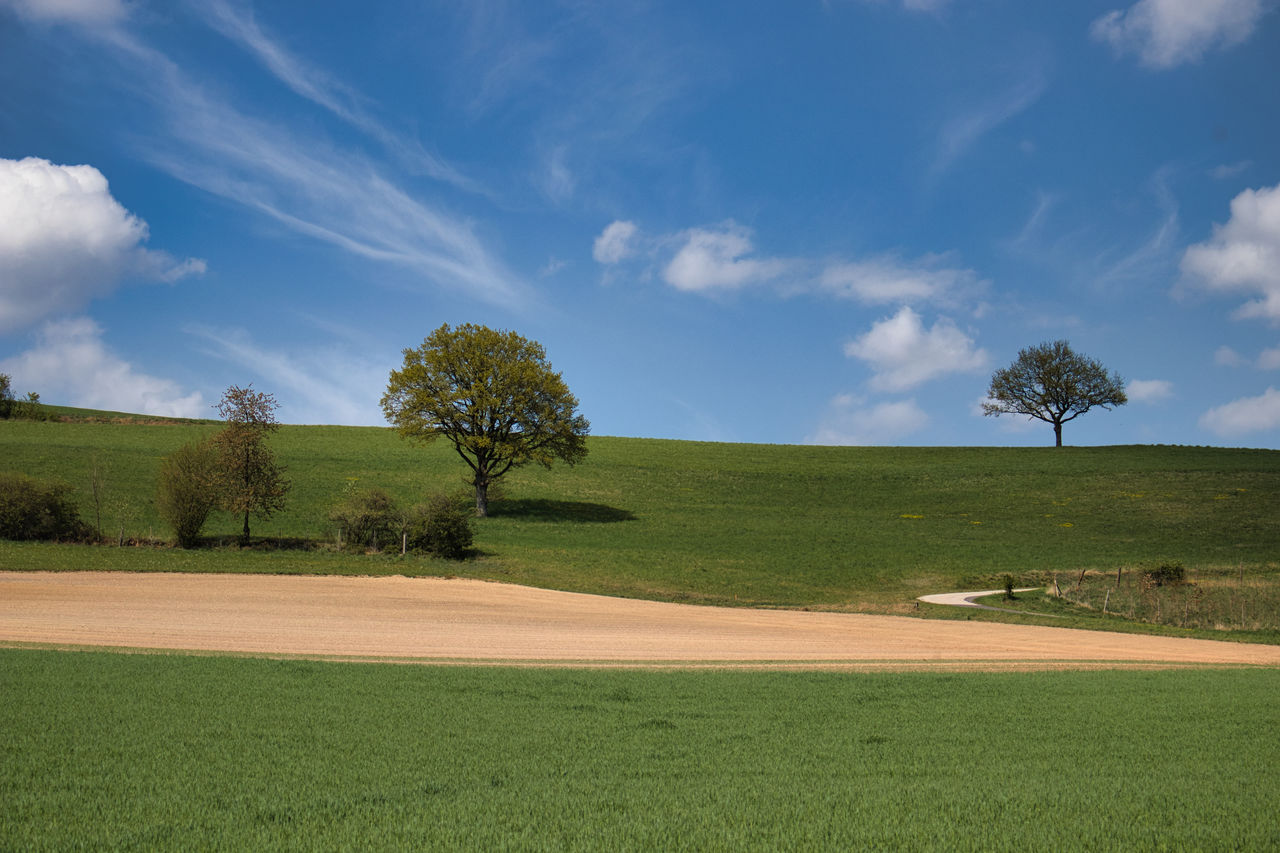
[(432, 620)]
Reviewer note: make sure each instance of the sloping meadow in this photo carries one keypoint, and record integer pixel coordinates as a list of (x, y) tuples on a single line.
[(848, 528)]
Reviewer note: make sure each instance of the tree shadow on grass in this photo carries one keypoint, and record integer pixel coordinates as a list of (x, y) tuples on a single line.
[(542, 509)]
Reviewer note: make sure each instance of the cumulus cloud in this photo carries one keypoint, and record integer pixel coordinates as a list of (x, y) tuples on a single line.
[(904, 354), (1166, 33), (848, 421), (719, 260), (887, 280), (1149, 390), (1246, 415), (1243, 256), (64, 240), (616, 242), (1269, 359), (71, 364)]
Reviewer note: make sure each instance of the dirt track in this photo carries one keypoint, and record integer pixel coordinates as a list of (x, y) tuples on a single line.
[(435, 620)]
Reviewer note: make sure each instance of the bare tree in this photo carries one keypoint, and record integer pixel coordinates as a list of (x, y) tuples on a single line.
[(1052, 383)]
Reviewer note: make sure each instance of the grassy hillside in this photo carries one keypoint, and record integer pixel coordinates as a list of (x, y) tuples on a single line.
[(110, 751), (723, 523)]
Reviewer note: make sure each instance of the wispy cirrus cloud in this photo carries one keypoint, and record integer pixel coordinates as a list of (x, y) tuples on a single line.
[(964, 130), (79, 12), (324, 385), (338, 197), (238, 23)]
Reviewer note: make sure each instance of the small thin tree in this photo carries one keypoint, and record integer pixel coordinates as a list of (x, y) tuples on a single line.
[(250, 481)]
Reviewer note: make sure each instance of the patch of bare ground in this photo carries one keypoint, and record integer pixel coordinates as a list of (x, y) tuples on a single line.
[(467, 622)]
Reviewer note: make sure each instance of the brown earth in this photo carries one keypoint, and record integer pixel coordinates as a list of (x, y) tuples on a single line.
[(432, 620)]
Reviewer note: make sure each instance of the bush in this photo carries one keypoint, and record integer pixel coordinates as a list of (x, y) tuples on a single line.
[(6, 397), (440, 527), (1165, 574), (366, 518), (32, 510), (185, 491)]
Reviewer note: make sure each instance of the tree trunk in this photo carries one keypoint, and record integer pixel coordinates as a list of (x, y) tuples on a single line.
[(1057, 433), (482, 499), (245, 537)]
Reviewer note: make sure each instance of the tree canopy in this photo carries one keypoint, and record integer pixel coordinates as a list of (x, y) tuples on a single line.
[(494, 395), (1054, 384)]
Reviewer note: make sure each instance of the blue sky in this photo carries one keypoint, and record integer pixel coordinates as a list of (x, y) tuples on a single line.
[(801, 222)]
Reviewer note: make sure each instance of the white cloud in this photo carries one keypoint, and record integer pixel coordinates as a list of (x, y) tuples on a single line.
[(615, 243), (904, 354), (329, 385), (1149, 390), (848, 422), (718, 260), (64, 240), (1165, 33), (70, 364), (887, 280), (1243, 256), (1225, 356), (85, 12), (1269, 359), (1248, 414), (556, 178)]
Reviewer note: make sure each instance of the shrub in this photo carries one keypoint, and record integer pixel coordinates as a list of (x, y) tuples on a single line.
[(186, 492), (1166, 574), (440, 527), (365, 517), (6, 396), (32, 510)]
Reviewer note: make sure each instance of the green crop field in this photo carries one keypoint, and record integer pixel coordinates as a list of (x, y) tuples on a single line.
[(858, 528), (108, 751)]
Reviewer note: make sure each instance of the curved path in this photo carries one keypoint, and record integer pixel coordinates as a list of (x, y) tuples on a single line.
[(966, 599), (466, 621)]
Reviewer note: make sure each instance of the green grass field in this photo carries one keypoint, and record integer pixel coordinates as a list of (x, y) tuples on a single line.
[(849, 528), (107, 751)]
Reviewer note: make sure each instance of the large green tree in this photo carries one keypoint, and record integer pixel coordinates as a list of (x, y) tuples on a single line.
[(1052, 383), (494, 395), (249, 480)]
